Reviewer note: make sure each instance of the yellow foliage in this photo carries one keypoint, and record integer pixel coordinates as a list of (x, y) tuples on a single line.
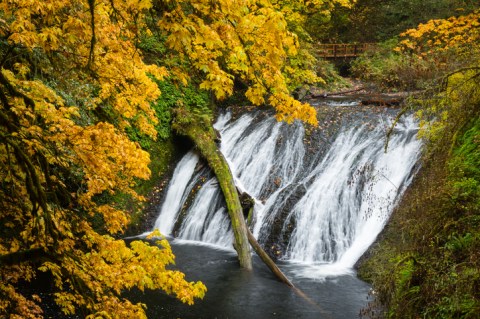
[(71, 80), (440, 35), (452, 46), (247, 40), (458, 101)]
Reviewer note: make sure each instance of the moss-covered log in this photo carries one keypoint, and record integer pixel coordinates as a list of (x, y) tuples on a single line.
[(201, 132)]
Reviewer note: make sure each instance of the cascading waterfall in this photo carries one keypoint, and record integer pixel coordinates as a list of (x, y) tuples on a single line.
[(176, 194), (319, 201)]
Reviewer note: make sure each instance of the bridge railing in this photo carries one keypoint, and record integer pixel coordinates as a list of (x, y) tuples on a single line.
[(343, 50)]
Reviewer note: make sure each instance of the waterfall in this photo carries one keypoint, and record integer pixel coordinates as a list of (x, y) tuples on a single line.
[(177, 192), (321, 199)]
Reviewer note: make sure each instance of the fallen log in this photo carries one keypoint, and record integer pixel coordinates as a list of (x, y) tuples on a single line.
[(382, 101), (204, 137), (267, 260), (324, 95)]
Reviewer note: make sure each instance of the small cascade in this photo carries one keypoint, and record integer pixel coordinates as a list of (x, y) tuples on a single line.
[(351, 194), (178, 190), (321, 199)]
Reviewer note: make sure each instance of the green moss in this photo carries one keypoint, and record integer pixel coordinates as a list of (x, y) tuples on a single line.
[(161, 154), (198, 127), (427, 261), (465, 171)]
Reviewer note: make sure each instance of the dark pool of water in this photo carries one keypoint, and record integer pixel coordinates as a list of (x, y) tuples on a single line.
[(236, 293)]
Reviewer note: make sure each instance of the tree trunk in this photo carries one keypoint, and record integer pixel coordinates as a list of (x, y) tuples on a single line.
[(203, 135), (240, 230)]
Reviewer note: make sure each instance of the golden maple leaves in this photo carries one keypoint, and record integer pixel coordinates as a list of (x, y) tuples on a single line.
[(63, 28), (248, 40), (441, 35), (451, 46), (64, 106), (71, 81)]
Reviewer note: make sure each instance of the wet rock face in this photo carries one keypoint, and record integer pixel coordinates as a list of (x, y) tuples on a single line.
[(275, 238), (332, 115)]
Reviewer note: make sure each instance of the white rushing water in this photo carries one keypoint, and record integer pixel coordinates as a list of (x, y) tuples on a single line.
[(178, 190), (325, 208)]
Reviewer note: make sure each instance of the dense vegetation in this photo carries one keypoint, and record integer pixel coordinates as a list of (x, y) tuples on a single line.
[(381, 20), (426, 263)]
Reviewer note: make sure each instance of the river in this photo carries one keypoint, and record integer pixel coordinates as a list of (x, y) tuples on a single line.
[(234, 293)]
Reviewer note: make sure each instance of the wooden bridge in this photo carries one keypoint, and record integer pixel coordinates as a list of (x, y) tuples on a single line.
[(343, 50)]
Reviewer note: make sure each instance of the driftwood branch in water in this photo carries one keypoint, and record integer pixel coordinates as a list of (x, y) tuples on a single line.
[(389, 99), (381, 100), (267, 260)]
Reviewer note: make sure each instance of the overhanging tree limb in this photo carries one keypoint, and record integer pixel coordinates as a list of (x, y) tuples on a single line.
[(21, 256)]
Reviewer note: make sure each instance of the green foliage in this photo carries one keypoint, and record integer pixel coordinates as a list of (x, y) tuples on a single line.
[(331, 26), (153, 45), (174, 98), (188, 103), (457, 243), (380, 20), (332, 80), (438, 222), (391, 70), (465, 171), (427, 263)]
